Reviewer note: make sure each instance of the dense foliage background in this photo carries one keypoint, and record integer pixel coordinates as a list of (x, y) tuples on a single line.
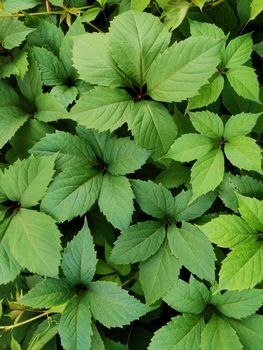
[(131, 209)]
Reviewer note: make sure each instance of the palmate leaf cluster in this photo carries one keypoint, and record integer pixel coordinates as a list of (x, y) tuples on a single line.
[(131, 213)]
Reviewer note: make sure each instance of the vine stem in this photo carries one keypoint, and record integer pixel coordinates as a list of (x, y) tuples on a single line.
[(8, 328), (215, 3)]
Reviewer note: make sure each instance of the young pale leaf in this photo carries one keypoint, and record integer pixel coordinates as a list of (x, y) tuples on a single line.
[(12, 32), (207, 173), (72, 193), (102, 108), (238, 304), (139, 5), (189, 147), (51, 292), (138, 242), (251, 210), (256, 8), (172, 76), (79, 258), (238, 51), (244, 81), (32, 234), (136, 39), (244, 153), (207, 123), (175, 12), (240, 124), (228, 231), (152, 126), (189, 297), (242, 268), (9, 267), (180, 333), (113, 306), (193, 249), (219, 335), (26, 181), (15, 345), (75, 324), (123, 156), (49, 108), (154, 199), (164, 268), (92, 59), (116, 200)]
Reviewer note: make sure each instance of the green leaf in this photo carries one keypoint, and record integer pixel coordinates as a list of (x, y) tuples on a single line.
[(193, 250), (174, 176), (12, 32), (229, 231), (189, 297), (138, 242), (15, 64), (113, 306), (15, 345), (238, 304), (135, 40), (52, 70), (79, 258), (72, 193), (13, 6), (244, 153), (152, 126), (11, 119), (27, 181), (97, 140), (102, 108), (207, 173), (179, 81), (139, 4), (51, 292), (90, 14), (49, 108), (251, 210), (154, 199), (179, 333), (240, 124), (164, 268), (259, 48), (75, 325), (116, 200), (32, 234), (92, 59), (64, 94), (242, 268), (206, 29), (189, 147), (207, 123), (8, 96), (9, 267), (175, 12), (123, 156), (96, 341), (238, 51), (244, 81), (256, 8), (219, 335)]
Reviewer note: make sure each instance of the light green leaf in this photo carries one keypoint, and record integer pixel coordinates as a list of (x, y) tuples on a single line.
[(189, 147), (238, 304), (12, 32), (9, 267), (113, 306), (123, 156), (219, 335), (251, 210), (8, 96), (206, 29), (27, 181), (135, 40), (154, 199), (102, 108), (116, 200), (65, 95), (259, 48), (17, 64), (189, 297), (175, 12), (96, 341), (240, 124), (242, 268), (172, 76), (207, 173), (229, 231), (72, 193), (92, 59), (11, 119), (244, 153), (32, 234), (49, 108), (97, 140), (79, 258), (152, 126), (138, 242), (164, 268), (199, 3), (15, 345), (238, 51), (75, 325), (90, 14), (139, 4), (256, 8), (51, 292), (180, 333), (193, 249), (14, 6), (207, 123), (244, 81)]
